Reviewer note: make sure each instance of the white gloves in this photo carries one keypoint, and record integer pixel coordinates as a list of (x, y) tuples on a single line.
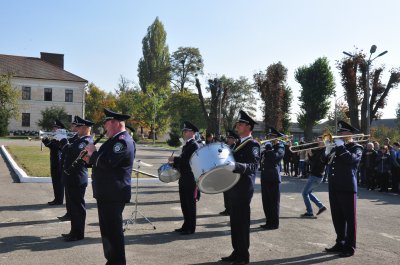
[(60, 136), (339, 142), (230, 166)]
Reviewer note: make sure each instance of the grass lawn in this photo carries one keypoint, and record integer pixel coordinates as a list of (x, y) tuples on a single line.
[(34, 162)]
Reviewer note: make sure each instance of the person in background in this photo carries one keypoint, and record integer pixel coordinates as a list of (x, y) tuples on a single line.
[(294, 162), (286, 158), (367, 165), (383, 167), (209, 138), (395, 155)]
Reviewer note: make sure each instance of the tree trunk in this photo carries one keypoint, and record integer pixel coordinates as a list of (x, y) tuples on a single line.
[(308, 132)]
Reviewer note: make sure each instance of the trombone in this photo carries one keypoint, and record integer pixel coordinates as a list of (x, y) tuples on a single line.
[(51, 135), (283, 138), (328, 140)]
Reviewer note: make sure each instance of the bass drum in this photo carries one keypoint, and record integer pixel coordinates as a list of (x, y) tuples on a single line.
[(209, 168), (167, 173)]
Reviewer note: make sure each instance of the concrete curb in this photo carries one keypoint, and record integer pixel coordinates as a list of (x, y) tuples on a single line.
[(24, 178)]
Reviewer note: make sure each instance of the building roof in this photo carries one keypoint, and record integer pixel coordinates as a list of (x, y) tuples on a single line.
[(36, 68)]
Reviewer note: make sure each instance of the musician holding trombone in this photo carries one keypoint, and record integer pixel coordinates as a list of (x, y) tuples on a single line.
[(270, 166), (75, 176), (344, 160)]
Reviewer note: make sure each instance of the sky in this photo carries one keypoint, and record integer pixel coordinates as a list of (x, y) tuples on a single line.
[(102, 40)]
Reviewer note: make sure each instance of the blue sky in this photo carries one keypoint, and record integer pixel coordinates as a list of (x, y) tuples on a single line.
[(102, 40)]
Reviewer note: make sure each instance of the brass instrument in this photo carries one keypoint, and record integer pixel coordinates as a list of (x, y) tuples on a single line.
[(284, 138), (51, 135), (328, 140)]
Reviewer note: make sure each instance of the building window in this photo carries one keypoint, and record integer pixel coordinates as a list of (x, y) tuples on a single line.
[(26, 93), (69, 95), (48, 94), (26, 119), (69, 118)]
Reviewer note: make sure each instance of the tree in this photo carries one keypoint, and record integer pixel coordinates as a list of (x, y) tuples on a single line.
[(353, 72), (95, 101), (342, 113), (318, 86), (240, 96), (8, 103), (286, 105), (154, 73), (154, 67), (186, 64), (49, 115), (275, 95), (398, 115)]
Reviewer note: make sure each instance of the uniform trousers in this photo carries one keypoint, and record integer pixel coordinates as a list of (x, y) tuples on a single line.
[(187, 197), (112, 235), (76, 196), (343, 209), (240, 221), (58, 186), (270, 193)]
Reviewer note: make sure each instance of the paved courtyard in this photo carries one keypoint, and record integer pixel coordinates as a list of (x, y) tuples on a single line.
[(30, 233)]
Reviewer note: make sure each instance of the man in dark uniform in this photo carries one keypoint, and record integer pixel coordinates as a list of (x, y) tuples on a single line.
[(55, 167), (231, 139), (271, 159), (76, 179), (187, 183), (64, 144), (247, 157), (111, 180), (344, 160)]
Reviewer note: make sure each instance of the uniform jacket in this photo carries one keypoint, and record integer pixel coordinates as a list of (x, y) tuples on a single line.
[(247, 158), (383, 162), (78, 174), (343, 170), (368, 159), (270, 163), (55, 155), (182, 163), (112, 168)]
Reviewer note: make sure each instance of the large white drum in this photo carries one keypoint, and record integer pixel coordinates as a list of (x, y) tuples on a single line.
[(209, 168), (167, 173)]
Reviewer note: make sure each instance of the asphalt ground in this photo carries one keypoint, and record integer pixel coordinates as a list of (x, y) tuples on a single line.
[(30, 233)]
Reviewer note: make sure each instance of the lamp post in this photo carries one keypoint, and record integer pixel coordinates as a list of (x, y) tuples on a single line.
[(336, 100), (369, 62)]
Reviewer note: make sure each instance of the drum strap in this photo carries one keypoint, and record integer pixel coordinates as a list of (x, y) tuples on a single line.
[(240, 146)]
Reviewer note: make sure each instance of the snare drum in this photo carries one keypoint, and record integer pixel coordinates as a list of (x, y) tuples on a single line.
[(167, 173), (209, 168)]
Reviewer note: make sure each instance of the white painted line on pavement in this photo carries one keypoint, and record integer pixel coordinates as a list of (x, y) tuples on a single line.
[(390, 236)]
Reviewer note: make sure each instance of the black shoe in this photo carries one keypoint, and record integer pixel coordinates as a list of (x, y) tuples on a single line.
[(272, 227), (224, 213), (348, 252), (337, 248), (229, 258), (179, 230), (240, 262), (66, 235), (321, 210), (64, 218), (264, 226), (54, 203), (307, 215), (187, 232), (71, 238)]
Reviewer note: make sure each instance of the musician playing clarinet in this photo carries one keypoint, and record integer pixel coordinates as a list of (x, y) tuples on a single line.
[(344, 160), (76, 179), (111, 180), (247, 157)]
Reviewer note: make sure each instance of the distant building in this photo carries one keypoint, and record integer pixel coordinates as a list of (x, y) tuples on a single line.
[(43, 83)]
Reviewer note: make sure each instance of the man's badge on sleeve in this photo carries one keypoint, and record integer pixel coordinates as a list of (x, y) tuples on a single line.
[(118, 147), (256, 151), (82, 145)]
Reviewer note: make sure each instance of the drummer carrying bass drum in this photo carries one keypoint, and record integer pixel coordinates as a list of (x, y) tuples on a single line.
[(187, 183)]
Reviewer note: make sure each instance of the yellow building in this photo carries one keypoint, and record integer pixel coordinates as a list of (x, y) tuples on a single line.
[(43, 83)]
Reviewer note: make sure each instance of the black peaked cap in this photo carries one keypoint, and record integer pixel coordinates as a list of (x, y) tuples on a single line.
[(244, 117), (78, 121), (273, 131), (345, 127), (111, 115), (188, 126)]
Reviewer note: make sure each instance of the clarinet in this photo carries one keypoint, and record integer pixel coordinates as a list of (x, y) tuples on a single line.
[(79, 159)]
